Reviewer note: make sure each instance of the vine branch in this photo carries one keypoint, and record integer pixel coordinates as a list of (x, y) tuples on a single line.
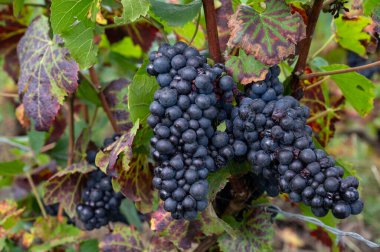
[(304, 47), (212, 30), (96, 84), (340, 71)]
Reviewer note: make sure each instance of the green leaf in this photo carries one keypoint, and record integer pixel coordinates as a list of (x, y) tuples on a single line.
[(217, 181), (122, 238), (213, 225), (46, 74), (36, 140), (270, 36), (87, 92), (66, 185), (80, 42), (350, 33), (140, 95), (132, 10), (369, 6), (11, 168), (65, 13), (127, 48), (176, 14), (89, 245), (187, 31), (17, 7), (255, 233), (128, 209), (245, 68), (222, 127), (358, 90)]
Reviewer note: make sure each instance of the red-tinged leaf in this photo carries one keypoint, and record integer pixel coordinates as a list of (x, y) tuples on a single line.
[(212, 224), (117, 98), (321, 235), (106, 159), (180, 232), (158, 244), (123, 238), (8, 211), (270, 36), (58, 126), (135, 182), (11, 30), (81, 145), (47, 74), (255, 233), (142, 34), (223, 14), (245, 68), (66, 186)]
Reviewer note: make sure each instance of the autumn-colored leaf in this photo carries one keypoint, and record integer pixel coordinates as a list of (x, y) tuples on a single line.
[(66, 186), (246, 69), (223, 14), (117, 98), (22, 118), (122, 238), (321, 235), (11, 30), (212, 224), (47, 75), (254, 234), (180, 232), (57, 129), (106, 159), (8, 211), (270, 36)]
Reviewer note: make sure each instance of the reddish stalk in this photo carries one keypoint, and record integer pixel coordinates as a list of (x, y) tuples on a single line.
[(96, 84), (304, 47), (212, 30)]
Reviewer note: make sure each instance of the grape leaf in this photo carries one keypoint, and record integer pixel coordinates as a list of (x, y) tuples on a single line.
[(8, 211), (11, 168), (217, 181), (140, 95), (65, 186), (176, 14), (223, 14), (132, 10), (11, 31), (79, 39), (117, 98), (350, 33), (122, 238), (53, 233), (106, 159), (65, 13), (47, 75), (180, 232), (212, 224), (270, 36), (357, 89), (254, 234), (135, 181), (369, 6), (17, 7), (245, 68)]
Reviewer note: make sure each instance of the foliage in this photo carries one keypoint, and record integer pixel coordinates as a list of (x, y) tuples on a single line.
[(72, 67)]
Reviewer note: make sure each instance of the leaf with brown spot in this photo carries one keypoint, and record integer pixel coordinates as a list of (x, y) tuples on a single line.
[(66, 186), (116, 95), (22, 118), (106, 159), (255, 233), (122, 238), (47, 74), (11, 30), (9, 212), (135, 182), (245, 68), (223, 14), (181, 232), (270, 36)]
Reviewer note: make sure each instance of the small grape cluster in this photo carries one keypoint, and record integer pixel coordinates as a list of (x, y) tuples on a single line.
[(183, 117), (355, 60), (100, 204), (281, 150)]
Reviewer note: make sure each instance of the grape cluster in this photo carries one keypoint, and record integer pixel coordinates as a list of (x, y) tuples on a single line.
[(282, 152), (100, 204), (184, 114)]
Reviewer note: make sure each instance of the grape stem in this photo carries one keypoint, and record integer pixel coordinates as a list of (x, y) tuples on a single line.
[(322, 114), (304, 47), (212, 30), (34, 190), (340, 71), (96, 84), (196, 28)]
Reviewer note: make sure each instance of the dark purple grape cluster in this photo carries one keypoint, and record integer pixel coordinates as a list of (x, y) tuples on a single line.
[(184, 114), (100, 204), (281, 150), (355, 60)]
